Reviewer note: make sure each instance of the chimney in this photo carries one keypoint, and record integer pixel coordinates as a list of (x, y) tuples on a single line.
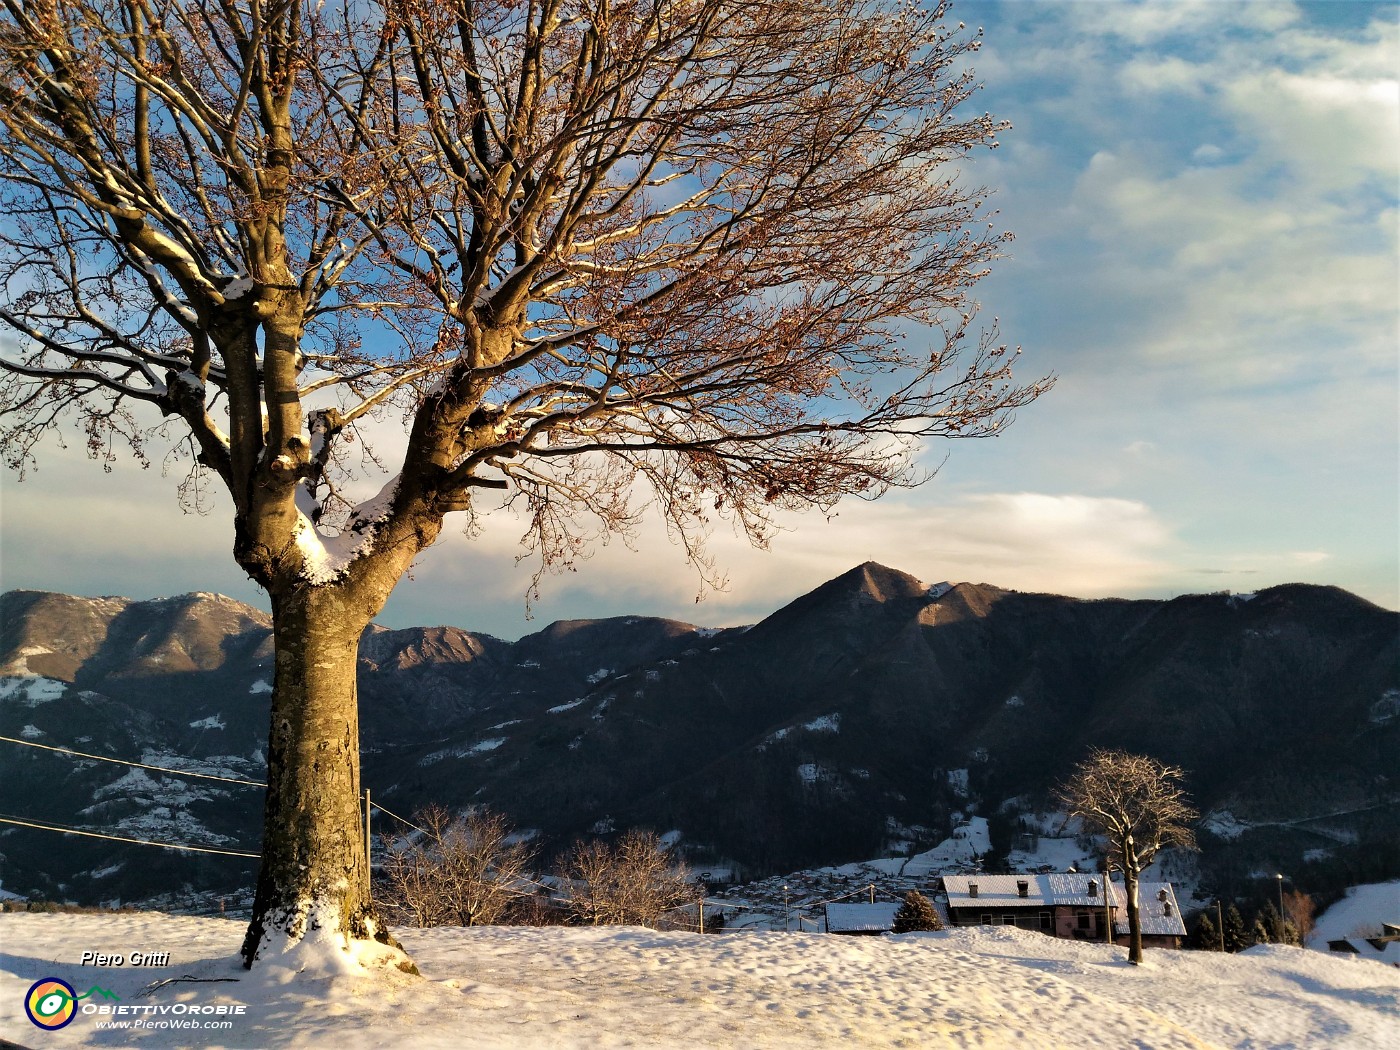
[(1167, 908), (1093, 888), (1023, 887), (972, 889), (1162, 895)]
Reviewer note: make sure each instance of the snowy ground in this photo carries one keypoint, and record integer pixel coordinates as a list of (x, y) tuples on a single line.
[(561, 989), (1359, 913)]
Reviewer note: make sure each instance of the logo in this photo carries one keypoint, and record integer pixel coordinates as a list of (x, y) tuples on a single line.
[(51, 1003)]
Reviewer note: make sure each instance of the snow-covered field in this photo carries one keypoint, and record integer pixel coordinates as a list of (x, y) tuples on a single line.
[(1360, 912), (559, 989)]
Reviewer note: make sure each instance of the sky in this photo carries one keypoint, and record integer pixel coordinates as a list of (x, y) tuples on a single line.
[(1204, 198)]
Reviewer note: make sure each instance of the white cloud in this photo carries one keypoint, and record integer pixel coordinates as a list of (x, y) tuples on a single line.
[(1310, 557), (1153, 22), (1071, 544), (1248, 257), (1330, 131)]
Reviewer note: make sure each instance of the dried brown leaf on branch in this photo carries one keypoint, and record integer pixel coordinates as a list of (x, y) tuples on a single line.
[(708, 257)]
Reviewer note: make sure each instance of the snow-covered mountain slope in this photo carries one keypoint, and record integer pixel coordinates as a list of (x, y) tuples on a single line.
[(868, 718), (556, 988), (1361, 913)]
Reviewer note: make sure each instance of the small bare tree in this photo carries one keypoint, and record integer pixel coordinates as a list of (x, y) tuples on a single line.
[(1301, 910), (631, 883), (455, 871), (1140, 805)]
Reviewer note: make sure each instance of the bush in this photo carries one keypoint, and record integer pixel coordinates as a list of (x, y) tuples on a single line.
[(632, 883), (453, 871)]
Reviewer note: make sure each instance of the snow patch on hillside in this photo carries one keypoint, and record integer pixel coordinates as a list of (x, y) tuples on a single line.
[(1225, 824), (479, 748), (823, 724), (813, 773), (1052, 854), (31, 690), (962, 851), (215, 721), (1386, 709)]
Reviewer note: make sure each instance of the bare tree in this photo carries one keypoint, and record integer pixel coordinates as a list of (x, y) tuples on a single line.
[(1140, 805), (708, 255), (1300, 910), (453, 870), (633, 882)]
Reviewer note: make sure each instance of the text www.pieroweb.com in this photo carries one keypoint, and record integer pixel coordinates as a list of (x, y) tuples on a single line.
[(187, 1016), (166, 1023)]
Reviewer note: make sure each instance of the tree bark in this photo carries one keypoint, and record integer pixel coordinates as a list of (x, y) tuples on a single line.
[(1130, 888), (313, 874)]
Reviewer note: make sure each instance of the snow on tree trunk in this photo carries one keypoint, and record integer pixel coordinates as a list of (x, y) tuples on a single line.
[(313, 879)]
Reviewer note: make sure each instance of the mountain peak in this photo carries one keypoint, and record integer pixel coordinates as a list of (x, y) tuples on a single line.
[(879, 582)]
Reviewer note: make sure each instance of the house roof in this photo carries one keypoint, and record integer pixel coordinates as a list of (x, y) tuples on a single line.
[(1073, 888), (1042, 891), (860, 918), (1152, 911), (1382, 949)]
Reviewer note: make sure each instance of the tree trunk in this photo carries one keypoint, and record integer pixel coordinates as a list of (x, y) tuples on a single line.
[(1130, 887), (313, 875)]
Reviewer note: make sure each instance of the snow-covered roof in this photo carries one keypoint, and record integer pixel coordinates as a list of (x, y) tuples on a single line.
[(1042, 891), (1073, 888), (1381, 949), (860, 918), (1159, 917)]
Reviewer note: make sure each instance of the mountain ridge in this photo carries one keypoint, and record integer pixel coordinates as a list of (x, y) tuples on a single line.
[(876, 709)]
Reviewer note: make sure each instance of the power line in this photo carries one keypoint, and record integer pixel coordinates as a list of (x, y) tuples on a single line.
[(138, 765), (121, 838), (400, 819)]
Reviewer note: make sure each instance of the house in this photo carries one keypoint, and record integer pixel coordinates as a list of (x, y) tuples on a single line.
[(1385, 948), (1070, 905), (1159, 914), (861, 919)]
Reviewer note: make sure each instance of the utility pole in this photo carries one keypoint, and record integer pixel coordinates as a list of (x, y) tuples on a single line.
[(1107, 902), (1279, 877), (872, 893), (1220, 923), (702, 914), (369, 877), (787, 912)]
